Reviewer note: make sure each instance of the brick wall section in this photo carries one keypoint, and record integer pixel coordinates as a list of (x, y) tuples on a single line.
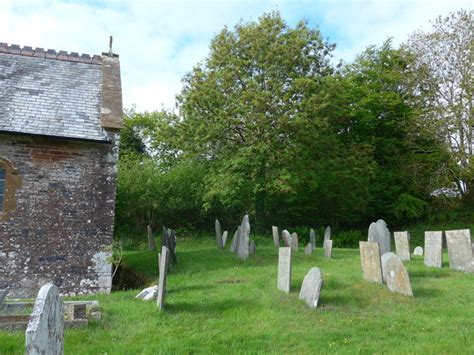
[(62, 223)]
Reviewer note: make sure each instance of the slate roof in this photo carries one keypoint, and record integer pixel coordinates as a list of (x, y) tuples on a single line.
[(49, 93)]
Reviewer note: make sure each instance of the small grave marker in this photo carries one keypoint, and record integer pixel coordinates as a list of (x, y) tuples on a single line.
[(418, 251), (402, 244), (284, 269), (308, 250)]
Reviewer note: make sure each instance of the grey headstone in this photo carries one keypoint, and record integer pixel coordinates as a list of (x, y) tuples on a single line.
[(286, 237), (252, 247), (151, 239), (312, 237), (327, 248), (433, 249), (146, 292), (308, 250), (460, 249), (418, 251), (224, 238), (235, 241), (218, 234), (160, 299), (311, 287), (370, 261), (395, 274), (3, 295), (45, 331), (378, 232), (327, 233), (244, 239), (284, 269), (294, 241), (402, 244), (276, 239)]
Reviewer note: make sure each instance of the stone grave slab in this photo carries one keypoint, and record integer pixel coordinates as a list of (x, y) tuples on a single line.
[(276, 239), (244, 239), (151, 239), (160, 299), (370, 260), (395, 274), (294, 241), (308, 250), (460, 249), (286, 236), (327, 233), (218, 234), (378, 232), (311, 287), (418, 251), (402, 244), (224, 238), (312, 237), (433, 249), (235, 241), (284, 269), (328, 248)]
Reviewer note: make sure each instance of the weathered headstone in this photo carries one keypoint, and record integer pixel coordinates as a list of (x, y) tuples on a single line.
[(418, 251), (378, 232), (294, 241), (312, 237), (327, 248), (151, 239), (402, 244), (235, 241), (460, 249), (395, 274), (308, 250), (244, 239), (311, 287), (224, 238), (327, 233), (168, 239), (3, 295), (433, 249), (276, 239), (45, 331), (218, 234), (252, 247), (370, 260), (286, 237), (284, 269), (160, 299)]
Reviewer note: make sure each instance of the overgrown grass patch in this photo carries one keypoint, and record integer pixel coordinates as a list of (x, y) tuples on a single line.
[(218, 304)]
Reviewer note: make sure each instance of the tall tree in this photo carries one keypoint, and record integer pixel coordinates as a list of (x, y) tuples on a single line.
[(444, 83)]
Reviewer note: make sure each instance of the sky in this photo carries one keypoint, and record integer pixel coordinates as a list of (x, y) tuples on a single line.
[(160, 41)]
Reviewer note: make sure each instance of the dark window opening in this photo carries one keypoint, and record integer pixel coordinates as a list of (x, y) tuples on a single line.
[(2, 187)]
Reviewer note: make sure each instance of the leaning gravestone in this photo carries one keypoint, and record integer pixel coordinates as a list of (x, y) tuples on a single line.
[(218, 234), (284, 269), (370, 260), (327, 233), (160, 299), (286, 236), (460, 249), (418, 251), (244, 239), (378, 232), (308, 250), (276, 239), (312, 237), (395, 274), (402, 244), (252, 247), (45, 331), (294, 241), (224, 238), (327, 248), (311, 287), (151, 239), (433, 249)]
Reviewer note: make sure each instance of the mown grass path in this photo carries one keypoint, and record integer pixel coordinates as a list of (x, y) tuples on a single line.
[(218, 304)]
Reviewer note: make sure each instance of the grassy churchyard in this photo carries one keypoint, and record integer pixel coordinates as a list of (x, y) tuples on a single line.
[(218, 304)]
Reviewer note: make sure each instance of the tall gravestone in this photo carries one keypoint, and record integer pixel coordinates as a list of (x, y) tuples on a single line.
[(395, 274), (327, 233), (312, 237), (224, 238), (311, 287), (460, 250), (402, 244), (286, 237), (276, 239), (433, 249), (284, 269), (327, 248), (45, 331), (378, 232), (244, 239), (370, 260), (151, 238), (218, 234), (294, 241), (160, 299), (235, 241)]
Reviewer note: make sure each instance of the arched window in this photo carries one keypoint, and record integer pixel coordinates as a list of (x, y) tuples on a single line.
[(2, 186)]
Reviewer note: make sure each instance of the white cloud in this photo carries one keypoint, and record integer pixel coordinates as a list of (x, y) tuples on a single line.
[(159, 41)]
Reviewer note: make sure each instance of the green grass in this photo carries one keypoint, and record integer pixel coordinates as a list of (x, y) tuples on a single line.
[(217, 304)]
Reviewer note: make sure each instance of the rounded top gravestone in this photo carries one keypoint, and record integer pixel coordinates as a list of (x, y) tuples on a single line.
[(395, 274), (378, 232), (311, 287), (418, 251)]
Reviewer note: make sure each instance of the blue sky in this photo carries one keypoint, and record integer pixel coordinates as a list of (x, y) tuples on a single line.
[(159, 41)]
